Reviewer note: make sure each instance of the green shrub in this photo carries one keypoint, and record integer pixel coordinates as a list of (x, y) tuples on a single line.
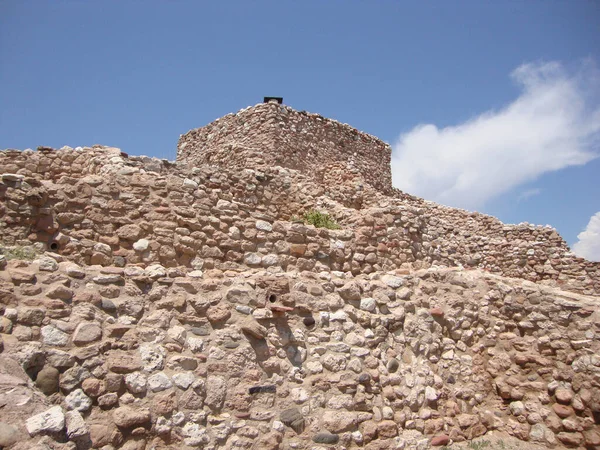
[(26, 253), (320, 220)]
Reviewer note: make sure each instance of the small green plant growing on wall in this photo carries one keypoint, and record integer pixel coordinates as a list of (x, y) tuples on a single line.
[(18, 252), (320, 220)]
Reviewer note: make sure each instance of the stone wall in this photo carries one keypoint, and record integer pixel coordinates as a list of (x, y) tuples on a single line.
[(100, 206), (274, 135), (137, 358)]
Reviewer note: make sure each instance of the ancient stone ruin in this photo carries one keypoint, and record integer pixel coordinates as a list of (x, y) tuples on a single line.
[(153, 304)]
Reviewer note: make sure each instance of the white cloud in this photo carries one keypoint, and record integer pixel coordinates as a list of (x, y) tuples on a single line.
[(554, 123), (588, 245), (528, 194)]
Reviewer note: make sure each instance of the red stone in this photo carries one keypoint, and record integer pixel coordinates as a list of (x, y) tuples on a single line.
[(281, 309), (442, 439), (436, 312)]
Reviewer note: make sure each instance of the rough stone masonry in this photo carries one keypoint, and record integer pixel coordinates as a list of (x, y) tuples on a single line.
[(148, 304)]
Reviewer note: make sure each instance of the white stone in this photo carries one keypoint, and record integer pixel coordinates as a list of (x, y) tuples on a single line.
[(50, 421), (103, 248), (53, 336), (263, 225), (163, 425), (76, 426), (196, 435), (244, 309), (183, 380), (299, 395), (197, 263), (177, 333), (278, 426), (262, 313), (195, 344), (178, 418), (48, 264), (78, 400), (270, 260), (156, 271), (392, 281), (314, 367), (141, 245), (195, 274), (252, 259), (136, 382), (339, 316), (190, 184), (431, 394), (368, 304), (153, 357), (133, 271), (11, 313), (159, 382)]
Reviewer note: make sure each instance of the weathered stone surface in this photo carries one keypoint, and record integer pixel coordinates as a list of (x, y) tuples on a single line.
[(293, 418), (47, 380), (9, 434), (216, 392), (325, 437), (374, 331), (54, 336), (338, 421), (77, 400), (128, 417), (85, 333), (50, 421), (76, 426)]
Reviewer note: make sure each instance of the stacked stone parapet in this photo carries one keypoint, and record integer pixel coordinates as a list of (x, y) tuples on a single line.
[(101, 206), (270, 134)]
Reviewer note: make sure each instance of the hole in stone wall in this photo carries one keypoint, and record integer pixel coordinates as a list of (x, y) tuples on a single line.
[(53, 246), (272, 298)]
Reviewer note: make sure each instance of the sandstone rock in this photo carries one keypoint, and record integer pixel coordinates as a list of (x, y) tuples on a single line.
[(218, 313), (387, 429), (53, 336), (31, 316), (50, 421), (9, 434), (60, 292), (87, 332), (47, 380), (108, 400), (253, 328), (141, 245), (164, 404), (129, 232), (122, 362), (338, 421), (76, 426), (350, 292), (93, 387), (128, 417)]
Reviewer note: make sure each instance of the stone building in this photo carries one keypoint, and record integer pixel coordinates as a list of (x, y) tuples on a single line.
[(270, 134)]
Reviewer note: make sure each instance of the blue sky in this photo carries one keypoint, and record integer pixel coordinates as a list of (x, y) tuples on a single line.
[(491, 106)]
